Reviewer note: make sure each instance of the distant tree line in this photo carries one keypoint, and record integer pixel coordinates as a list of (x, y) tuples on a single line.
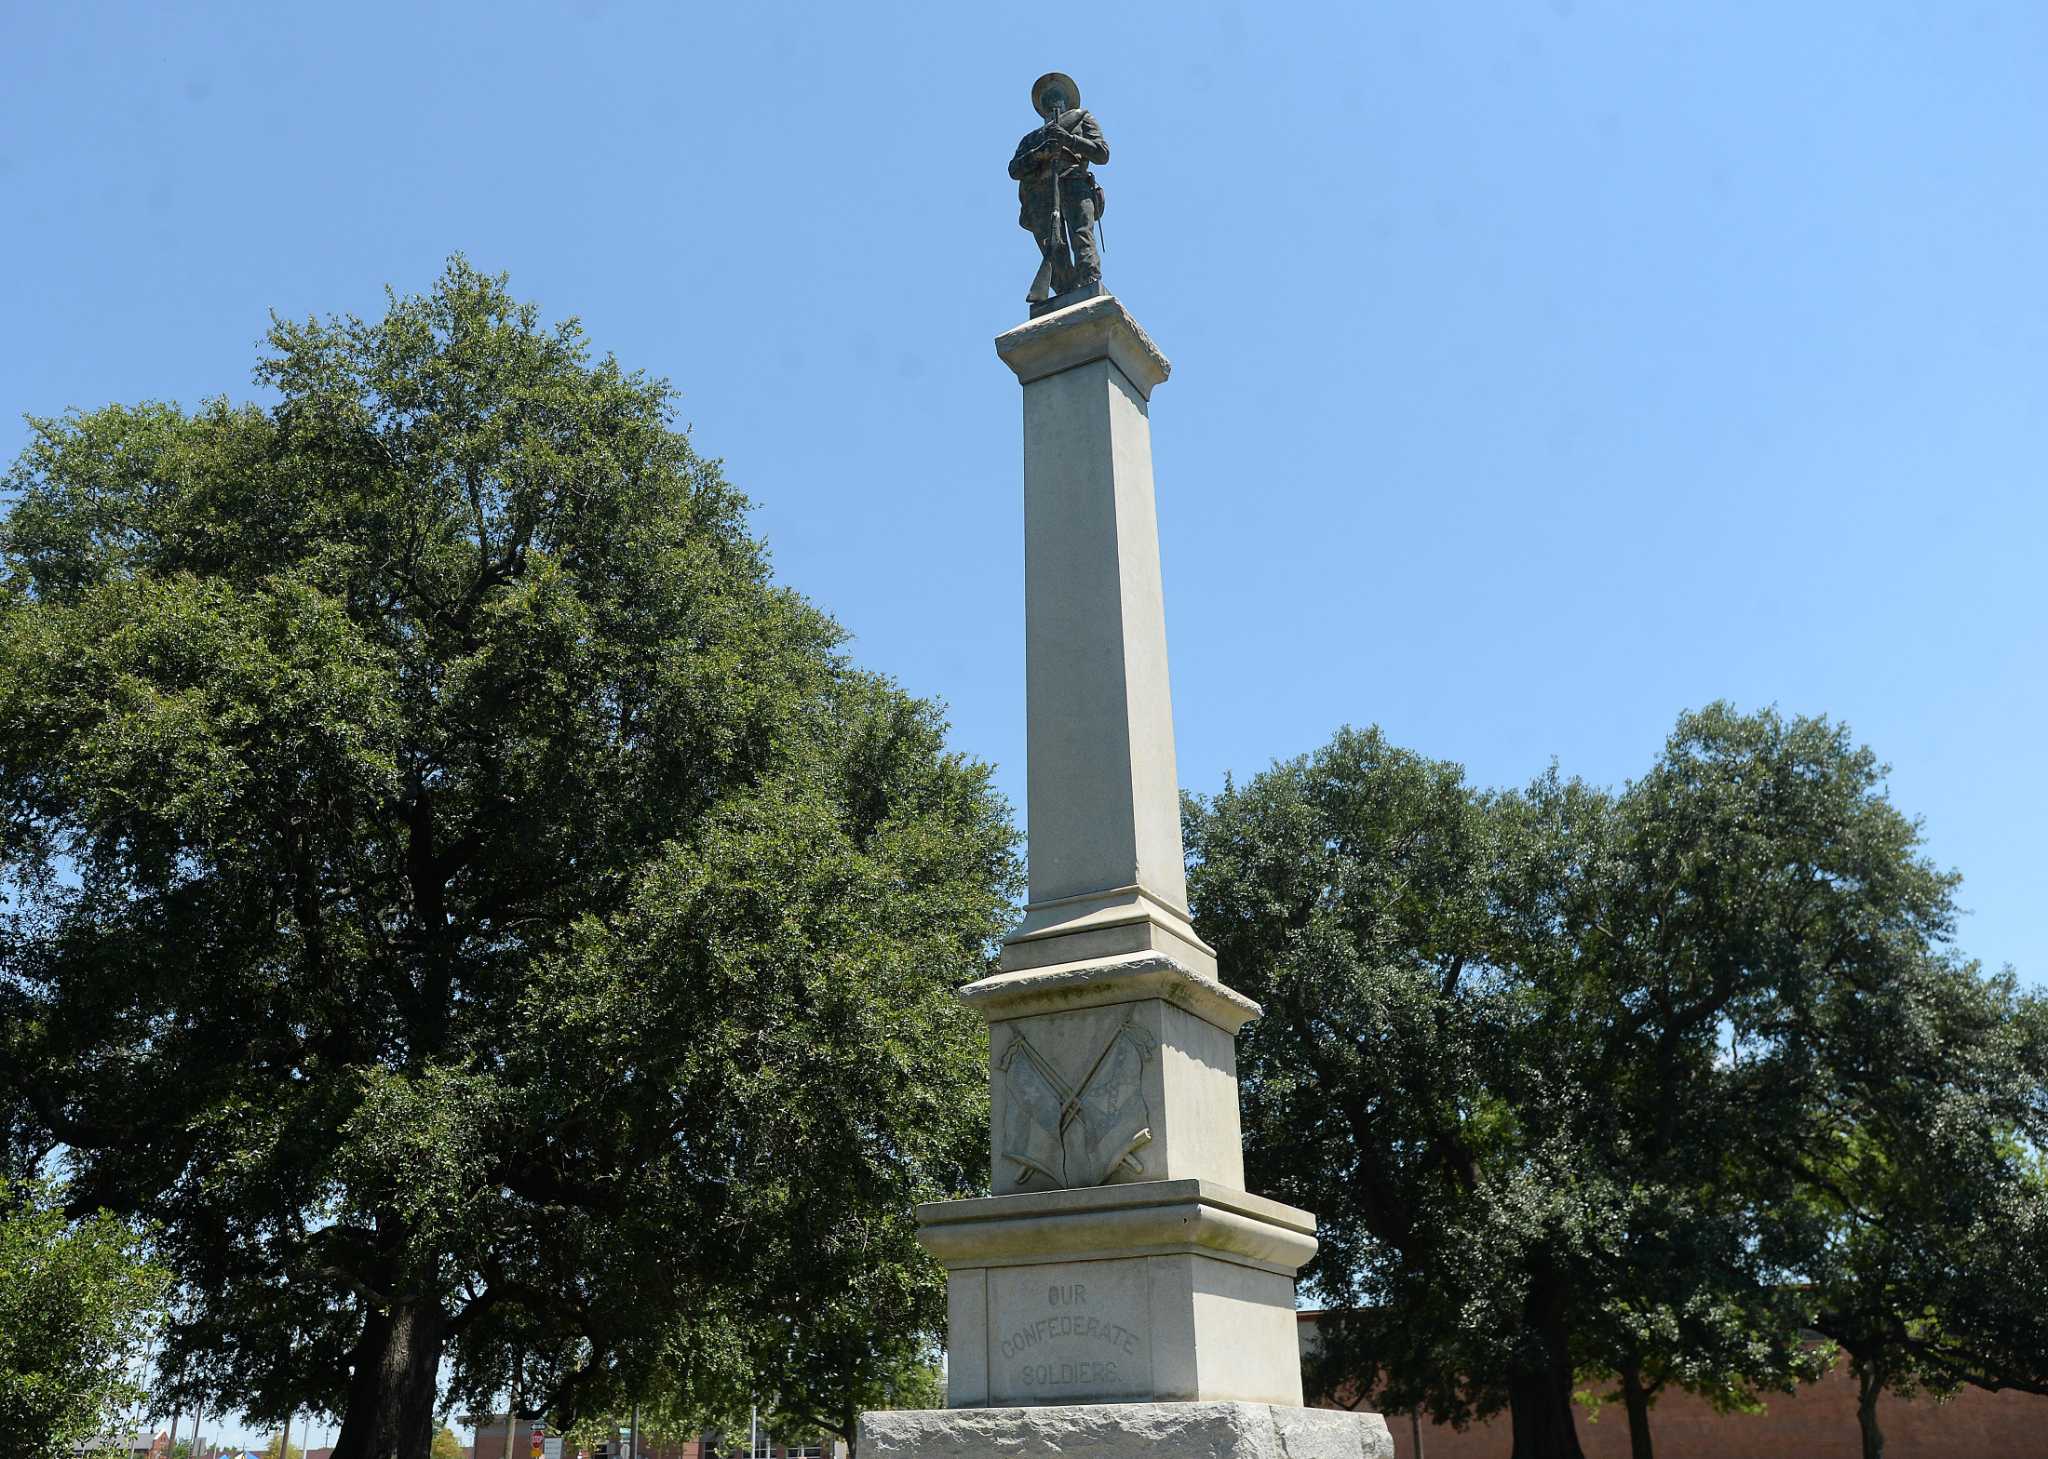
[(80, 1303), (1633, 1090)]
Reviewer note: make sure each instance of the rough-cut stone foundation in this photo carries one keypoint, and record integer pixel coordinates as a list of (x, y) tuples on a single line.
[(1126, 1431)]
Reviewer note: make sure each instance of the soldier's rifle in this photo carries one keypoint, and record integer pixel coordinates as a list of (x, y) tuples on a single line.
[(1054, 132)]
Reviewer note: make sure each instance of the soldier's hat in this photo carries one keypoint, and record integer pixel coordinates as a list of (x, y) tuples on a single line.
[(1049, 80)]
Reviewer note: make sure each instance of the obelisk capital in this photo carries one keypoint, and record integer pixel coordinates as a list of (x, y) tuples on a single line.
[(1094, 329)]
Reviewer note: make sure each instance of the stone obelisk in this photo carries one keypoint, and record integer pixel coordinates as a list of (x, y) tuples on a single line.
[(1120, 1290)]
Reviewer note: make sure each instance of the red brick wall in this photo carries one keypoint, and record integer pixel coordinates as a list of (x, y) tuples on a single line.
[(1817, 1422)]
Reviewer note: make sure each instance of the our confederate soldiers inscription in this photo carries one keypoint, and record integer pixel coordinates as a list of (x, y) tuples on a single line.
[(1058, 199), (1089, 1335)]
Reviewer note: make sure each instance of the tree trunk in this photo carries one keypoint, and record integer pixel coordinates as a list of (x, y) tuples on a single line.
[(1540, 1394), (396, 1378), (1636, 1399), (1869, 1384)]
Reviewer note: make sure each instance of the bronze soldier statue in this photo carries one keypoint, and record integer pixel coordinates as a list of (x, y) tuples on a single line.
[(1058, 198)]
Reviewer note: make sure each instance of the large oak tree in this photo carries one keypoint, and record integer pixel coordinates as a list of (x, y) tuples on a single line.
[(1630, 1087), (455, 891)]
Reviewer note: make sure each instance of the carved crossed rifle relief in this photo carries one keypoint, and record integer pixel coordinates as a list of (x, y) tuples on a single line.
[(1081, 1134)]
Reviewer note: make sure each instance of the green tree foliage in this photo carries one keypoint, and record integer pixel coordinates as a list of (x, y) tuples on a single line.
[(811, 1353), (456, 890), (446, 1445), (836, 1346), (1566, 1073), (78, 1302), (1923, 1219), (845, 1358)]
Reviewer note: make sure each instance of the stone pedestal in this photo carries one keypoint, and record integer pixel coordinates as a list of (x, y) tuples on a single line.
[(1124, 1431), (1119, 1291), (1156, 1291), (1120, 1258)]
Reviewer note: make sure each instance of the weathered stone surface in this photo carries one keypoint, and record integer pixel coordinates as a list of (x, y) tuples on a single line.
[(1126, 1431)]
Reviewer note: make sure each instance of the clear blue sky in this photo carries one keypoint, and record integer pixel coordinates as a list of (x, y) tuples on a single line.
[(1542, 369)]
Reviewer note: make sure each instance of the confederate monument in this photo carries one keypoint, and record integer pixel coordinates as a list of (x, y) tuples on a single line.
[(1120, 1292)]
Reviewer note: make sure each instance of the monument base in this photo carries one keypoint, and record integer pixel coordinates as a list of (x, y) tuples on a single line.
[(1126, 1431), (1169, 1291)]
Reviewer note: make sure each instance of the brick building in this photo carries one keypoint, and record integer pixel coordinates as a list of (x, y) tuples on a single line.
[(490, 1436), (1818, 1421)]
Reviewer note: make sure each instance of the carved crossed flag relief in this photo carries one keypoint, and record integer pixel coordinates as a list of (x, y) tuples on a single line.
[(1079, 1134)]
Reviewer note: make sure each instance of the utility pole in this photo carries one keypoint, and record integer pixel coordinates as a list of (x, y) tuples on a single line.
[(511, 1408)]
